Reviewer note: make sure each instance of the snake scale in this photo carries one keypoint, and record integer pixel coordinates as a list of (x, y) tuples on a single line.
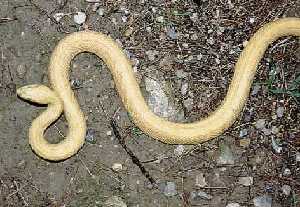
[(61, 99)]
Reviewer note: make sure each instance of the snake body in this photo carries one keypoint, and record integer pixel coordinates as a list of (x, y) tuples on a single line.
[(60, 98)]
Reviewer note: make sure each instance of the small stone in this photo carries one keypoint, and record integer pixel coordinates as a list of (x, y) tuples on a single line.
[(178, 151), (245, 43), (194, 37), (217, 60), (287, 172), (151, 54), (188, 104), (255, 90), (185, 45), (226, 155), (117, 167), (100, 11), (199, 57), (274, 130), (115, 201), (200, 180), (160, 19), (280, 111), (181, 74), (297, 155), (245, 142), (233, 205), (204, 195), (90, 136), (148, 29), (243, 132), (194, 17), (275, 146), (170, 189), (260, 124), (79, 18), (246, 181), (124, 19), (129, 32), (286, 189), (184, 88), (21, 71), (109, 133), (171, 32), (262, 201), (210, 41), (267, 131), (251, 20), (58, 16)]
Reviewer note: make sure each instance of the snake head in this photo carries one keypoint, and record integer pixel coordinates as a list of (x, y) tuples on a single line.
[(37, 94)]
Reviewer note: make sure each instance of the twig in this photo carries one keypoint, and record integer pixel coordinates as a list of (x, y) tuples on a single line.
[(7, 19), (134, 159)]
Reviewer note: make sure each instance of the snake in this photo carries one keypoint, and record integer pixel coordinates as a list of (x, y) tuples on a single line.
[(60, 97)]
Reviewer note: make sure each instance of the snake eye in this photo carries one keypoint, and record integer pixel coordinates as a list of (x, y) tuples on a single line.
[(36, 93)]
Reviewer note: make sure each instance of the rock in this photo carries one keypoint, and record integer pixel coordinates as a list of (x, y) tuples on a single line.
[(151, 54), (194, 17), (251, 20), (161, 100), (267, 131), (184, 88), (226, 156), (233, 205), (117, 167), (297, 154), (160, 19), (58, 16), (91, 136), (178, 151), (79, 18), (170, 189), (286, 189), (243, 132), (199, 57), (246, 181), (115, 201), (129, 32), (21, 71), (171, 32), (262, 201), (200, 180), (255, 90), (280, 111), (194, 37), (287, 172), (245, 142), (275, 146), (204, 195), (185, 45), (181, 74), (260, 124), (188, 104), (100, 11), (274, 130)]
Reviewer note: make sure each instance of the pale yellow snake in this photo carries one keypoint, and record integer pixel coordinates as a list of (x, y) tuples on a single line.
[(60, 98)]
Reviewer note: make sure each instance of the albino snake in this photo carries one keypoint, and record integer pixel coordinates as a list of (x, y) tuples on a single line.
[(60, 98)]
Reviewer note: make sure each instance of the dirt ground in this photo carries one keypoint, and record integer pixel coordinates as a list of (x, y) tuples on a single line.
[(188, 49)]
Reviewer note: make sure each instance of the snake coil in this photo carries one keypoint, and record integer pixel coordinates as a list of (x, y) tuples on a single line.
[(60, 97)]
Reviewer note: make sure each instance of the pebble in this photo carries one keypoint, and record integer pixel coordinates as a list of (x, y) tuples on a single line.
[(204, 195), (185, 45), (90, 136), (21, 71), (79, 18), (262, 201), (200, 180), (226, 156), (151, 54), (280, 112), (100, 11), (115, 201), (286, 189), (251, 20), (194, 37), (275, 130), (275, 146), (246, 181), (181, 74), (160, 19), (297, 154), (287, 172), (184, 88), (128, 31), (199, 57), (245, 142), (170, 189), (267, 131), (58, 16), (255, 90), (194, 17), (233, 205), (171, 32), (117, 167), (109, 133), (179, 150), (243, 132), (260, 124), (188, 104)]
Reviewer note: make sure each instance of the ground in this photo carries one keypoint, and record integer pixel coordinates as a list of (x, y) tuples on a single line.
[(183, 53)]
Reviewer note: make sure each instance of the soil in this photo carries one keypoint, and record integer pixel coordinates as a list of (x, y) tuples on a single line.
[(200, 39)]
